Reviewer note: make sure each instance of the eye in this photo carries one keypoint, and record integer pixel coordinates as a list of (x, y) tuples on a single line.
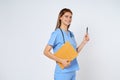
[(66, 16), (70, 17)]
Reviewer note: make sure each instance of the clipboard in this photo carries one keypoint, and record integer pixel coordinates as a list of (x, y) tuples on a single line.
[(66, 52)]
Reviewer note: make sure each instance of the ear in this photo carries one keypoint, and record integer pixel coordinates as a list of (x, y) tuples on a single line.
[(60, 18)]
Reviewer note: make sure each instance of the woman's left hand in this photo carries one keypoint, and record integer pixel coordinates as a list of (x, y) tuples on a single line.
[(85, 40)]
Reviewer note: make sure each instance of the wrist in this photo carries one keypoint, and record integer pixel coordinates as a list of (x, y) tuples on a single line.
[(60, 60)]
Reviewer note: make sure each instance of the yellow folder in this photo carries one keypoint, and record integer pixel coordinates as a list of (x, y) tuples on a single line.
[(66, 52)]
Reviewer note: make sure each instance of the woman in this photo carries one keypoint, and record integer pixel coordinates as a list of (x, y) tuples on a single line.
[(56, 41)]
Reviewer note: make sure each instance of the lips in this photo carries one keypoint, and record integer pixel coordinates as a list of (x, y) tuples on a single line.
[(68, 22)]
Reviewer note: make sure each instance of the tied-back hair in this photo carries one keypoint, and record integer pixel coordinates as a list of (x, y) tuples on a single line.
[(61, 13)]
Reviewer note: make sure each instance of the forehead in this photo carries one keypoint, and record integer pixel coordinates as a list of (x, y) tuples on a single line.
[(68, 13)]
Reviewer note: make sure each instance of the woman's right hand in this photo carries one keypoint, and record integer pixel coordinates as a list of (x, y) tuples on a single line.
[(65, 62)]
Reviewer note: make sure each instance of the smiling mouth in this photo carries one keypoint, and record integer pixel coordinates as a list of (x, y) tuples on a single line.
[(68, 21)]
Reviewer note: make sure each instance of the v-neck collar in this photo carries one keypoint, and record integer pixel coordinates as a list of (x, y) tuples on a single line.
[(66, 32)]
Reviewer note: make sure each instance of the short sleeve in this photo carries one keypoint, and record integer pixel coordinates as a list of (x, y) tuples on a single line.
[(52, 39)]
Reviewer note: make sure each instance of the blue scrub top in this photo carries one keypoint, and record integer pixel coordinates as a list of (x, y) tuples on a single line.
[(56, 41)]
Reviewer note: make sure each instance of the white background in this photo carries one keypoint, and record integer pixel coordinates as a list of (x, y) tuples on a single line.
[(25, 28)]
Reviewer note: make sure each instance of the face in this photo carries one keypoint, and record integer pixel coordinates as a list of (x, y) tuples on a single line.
[(66, 18)]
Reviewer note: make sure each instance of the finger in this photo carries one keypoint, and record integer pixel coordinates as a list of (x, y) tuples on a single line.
[(68, 60), (69, 64), (86, 35)]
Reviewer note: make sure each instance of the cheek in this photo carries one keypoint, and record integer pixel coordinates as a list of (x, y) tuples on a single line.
[(63, 19)]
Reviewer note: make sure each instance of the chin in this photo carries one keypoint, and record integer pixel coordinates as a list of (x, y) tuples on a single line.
[(67, 24)]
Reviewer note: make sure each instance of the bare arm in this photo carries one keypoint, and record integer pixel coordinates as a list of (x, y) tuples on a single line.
[(50, 55), (85, 40), (47, 53)]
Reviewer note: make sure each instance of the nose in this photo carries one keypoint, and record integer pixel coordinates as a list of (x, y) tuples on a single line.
[(70, 19)]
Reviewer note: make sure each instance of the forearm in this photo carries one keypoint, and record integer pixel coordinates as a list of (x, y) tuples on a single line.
[(80, 47), (53, 57)]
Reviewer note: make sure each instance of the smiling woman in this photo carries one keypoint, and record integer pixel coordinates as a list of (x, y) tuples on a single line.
[(64, 19), (25, 26), (56, 41)]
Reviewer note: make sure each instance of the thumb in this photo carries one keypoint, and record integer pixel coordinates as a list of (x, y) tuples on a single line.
[(67, 60)]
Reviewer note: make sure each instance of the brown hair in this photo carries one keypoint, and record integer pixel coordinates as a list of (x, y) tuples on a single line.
[(61, 13)]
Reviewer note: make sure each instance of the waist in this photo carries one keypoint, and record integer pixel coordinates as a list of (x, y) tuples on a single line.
[(73, 67)]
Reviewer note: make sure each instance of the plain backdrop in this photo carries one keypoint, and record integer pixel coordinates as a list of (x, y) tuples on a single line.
[(26, 26)]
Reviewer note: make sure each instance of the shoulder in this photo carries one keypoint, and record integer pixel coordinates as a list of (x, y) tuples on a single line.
[(56, 32), (71, 33)]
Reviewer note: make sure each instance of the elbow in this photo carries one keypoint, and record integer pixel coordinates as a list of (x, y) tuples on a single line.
[(45, 52)]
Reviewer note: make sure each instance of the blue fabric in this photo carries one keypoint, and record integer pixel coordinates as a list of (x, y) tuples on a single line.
[(65, 76), (56, 41)]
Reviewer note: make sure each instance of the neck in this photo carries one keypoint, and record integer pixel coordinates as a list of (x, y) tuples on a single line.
[(64, 27)]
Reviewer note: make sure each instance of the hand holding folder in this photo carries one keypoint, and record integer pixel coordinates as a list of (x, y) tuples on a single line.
[(66, 52)]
